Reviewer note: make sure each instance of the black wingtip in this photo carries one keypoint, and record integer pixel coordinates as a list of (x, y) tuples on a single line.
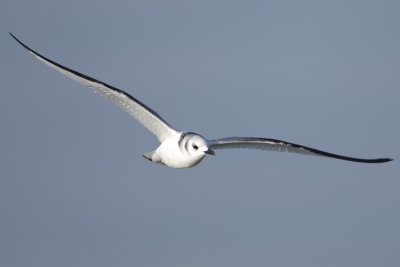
[(380, 160), (12, 35), (21, 43)]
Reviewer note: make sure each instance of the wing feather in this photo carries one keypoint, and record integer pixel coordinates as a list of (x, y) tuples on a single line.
[(281, 146), (145, 115)]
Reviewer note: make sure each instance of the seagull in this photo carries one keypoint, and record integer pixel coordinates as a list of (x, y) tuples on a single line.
[(182, 149)]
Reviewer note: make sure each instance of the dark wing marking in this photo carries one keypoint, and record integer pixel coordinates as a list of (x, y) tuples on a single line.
[(148, 117), (281, 146)]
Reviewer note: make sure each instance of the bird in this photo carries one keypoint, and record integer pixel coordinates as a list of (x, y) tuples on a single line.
[(182, 149)]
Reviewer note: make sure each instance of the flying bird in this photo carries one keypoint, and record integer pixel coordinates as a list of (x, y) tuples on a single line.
[(182, 149)]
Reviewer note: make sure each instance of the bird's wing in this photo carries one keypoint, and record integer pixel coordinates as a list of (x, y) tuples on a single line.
[(148, 117), (281, 146)]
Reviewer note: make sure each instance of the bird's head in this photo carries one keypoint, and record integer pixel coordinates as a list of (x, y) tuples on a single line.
[(194, 145)]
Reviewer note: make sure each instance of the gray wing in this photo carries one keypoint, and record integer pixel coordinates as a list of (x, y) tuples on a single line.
[(148, 117), (281, 146)]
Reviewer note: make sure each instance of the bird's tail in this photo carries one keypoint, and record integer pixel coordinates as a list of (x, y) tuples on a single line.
[(148, 155)]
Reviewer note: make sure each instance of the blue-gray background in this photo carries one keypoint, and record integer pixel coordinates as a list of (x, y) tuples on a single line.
[(74, 190)]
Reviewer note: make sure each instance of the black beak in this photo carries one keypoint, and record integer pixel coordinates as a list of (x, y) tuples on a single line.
[(209, 152)]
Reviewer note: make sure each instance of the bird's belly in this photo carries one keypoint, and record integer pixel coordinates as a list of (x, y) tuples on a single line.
[(177, 161), (170, 154)]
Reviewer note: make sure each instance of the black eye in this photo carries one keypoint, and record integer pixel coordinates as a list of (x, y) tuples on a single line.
[(195, 147)]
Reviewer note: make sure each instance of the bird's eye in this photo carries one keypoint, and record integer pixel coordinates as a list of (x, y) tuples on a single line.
[(195, 147)]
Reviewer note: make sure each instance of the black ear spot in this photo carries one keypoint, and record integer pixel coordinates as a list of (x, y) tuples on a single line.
[(195, 147)]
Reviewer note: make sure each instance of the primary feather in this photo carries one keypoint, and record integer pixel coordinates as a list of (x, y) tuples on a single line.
[(148, 117)]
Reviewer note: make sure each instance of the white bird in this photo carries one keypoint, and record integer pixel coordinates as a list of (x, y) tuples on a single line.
[(181, 149)]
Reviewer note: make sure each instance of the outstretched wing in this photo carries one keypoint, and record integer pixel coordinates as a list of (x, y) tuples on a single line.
[(148, 117), (281, 146)]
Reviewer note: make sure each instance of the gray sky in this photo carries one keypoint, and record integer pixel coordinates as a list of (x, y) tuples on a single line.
[(74, 190)]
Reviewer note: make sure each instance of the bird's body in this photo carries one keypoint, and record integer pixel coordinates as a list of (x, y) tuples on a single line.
[(180, 149)]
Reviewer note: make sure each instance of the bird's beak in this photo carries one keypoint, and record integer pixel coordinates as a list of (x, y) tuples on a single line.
[(209, 152)]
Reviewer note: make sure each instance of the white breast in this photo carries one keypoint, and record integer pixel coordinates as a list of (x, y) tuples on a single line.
[(172, 155)]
